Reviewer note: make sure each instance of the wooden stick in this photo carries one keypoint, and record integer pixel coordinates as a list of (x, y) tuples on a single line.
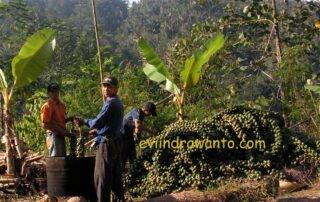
[(28, 162), (269, 38), (164, 100), (34, 158), (94, 15), (6, 181), (90, 142)]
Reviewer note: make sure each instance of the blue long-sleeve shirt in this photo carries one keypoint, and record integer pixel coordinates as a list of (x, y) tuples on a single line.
[(128, 121), (109, 120)]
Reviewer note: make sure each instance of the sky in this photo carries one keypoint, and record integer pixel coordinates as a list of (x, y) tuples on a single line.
[(130, 1)]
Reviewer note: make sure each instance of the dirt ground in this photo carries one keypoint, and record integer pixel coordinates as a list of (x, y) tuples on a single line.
[(309, 194), (303, 195)]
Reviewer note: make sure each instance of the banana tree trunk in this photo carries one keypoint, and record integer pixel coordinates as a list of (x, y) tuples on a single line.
[(16, 142), (9, 140), (12, 142), (180, 114), (2, 120), (180, 102)]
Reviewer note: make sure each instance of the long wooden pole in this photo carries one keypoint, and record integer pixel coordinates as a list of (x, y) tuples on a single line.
[(94, 15)]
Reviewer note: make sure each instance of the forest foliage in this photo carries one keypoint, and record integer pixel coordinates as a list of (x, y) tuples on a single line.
[(245, 72)]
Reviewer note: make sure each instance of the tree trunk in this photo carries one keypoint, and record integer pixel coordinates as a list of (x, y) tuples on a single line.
[(180, 101), (2, 119), (180, 114), (9, 140), (287, 6), (277, 31), (16, 142)]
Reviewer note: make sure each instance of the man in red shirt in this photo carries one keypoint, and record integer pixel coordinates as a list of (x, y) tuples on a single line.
[(53, 119)]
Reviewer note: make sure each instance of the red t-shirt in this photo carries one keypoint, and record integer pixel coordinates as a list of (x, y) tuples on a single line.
[(54, 112)]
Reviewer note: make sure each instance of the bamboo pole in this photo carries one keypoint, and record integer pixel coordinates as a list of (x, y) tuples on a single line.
[(94, 16)]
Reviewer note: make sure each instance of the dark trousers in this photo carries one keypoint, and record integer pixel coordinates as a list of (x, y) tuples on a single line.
[(108, 171), (128, 147)]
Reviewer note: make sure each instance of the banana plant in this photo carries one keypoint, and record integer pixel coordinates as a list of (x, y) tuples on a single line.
[(314, 87), (32, 59), (156, 71)]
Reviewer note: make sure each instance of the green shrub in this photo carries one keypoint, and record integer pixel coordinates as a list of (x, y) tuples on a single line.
[(28, 128), (159, 171)]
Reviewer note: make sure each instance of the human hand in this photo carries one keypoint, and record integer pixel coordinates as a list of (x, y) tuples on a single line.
[(93, 132), (136, 130), (135, 137)]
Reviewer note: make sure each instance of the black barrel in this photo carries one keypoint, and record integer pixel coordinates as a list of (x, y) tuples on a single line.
[(70, 176)]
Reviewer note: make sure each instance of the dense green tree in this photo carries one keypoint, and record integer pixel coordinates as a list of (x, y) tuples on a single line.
[(161, 22), (245, 72), (111, 14), (17, 22), (248, 71)]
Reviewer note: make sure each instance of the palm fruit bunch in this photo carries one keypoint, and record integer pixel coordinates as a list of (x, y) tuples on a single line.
[(161, 170)]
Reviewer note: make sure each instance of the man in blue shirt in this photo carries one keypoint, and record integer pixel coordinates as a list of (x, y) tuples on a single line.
[(133, 125), (107, 126)]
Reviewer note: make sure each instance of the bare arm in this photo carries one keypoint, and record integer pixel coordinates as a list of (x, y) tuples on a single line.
[(139, 126)]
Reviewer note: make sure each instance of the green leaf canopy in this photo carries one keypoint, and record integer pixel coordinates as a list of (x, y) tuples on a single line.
[(152, 58), (33, 58), (3, 81), (192, 70), (155, 75), (313, 88), (155, 68)]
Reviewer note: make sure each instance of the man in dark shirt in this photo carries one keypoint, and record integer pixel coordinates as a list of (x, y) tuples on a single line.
[(107, 126), (133, 125)]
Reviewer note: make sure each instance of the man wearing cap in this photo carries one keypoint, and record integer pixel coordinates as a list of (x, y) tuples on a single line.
[(53, 119), (133, 125), (107, 126)]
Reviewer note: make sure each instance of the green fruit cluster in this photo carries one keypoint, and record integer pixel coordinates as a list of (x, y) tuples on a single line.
[(159, 171)]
